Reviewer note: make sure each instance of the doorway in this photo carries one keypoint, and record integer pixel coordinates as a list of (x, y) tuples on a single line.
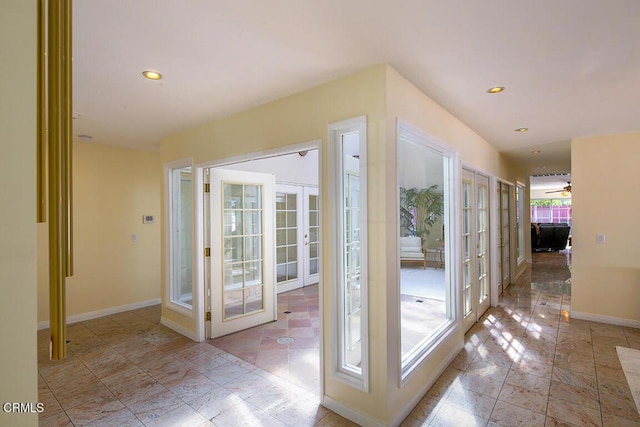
[(504, 208), (263, 222), (297, 236), (476, 283), (241, 255)]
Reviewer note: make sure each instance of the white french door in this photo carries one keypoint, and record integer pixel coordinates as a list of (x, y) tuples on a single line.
[(289, 237), (475, 247), (297, 236), (242, 250), (311, 259), (504, 234)]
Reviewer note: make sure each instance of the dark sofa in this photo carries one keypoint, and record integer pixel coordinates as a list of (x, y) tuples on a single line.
[(549, 236)]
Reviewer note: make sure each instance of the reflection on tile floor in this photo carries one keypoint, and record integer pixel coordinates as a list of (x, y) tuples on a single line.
[(297, 361), (527, 362)]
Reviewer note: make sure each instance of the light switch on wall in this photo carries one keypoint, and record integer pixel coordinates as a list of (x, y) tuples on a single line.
[(134, 237), (600, 238)]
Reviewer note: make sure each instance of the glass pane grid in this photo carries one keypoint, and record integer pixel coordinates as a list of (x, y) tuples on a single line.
[(242, 257), (286, 236), (314, 234)]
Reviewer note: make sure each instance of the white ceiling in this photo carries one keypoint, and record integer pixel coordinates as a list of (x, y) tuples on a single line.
[(550, 182), (571, 67)]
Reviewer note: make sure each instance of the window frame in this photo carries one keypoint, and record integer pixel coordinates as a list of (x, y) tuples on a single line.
[(452, 190), (520, 187), (170, 244), (339, 366)]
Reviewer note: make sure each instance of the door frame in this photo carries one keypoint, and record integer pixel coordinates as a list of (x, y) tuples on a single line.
[(308, 278), (495, 242), (221, 324), (494, 238), (467, 323), (304, 277), (201, 237), (298, 282)]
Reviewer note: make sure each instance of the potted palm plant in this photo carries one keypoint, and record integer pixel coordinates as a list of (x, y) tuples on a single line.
[(420, 209)]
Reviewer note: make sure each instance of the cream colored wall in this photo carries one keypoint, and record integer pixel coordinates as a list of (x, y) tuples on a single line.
[(18, 367), (606, 277), (406, 102), (300, 118), (381, 94), (113, 188)]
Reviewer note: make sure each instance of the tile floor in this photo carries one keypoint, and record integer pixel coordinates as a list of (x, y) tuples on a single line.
[(527, 362), (298, 361), (128, 370)]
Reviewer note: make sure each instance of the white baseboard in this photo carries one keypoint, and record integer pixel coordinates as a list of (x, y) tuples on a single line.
[(178, 328), (104, 312), (605, 319), (423, 391), (350, 414)]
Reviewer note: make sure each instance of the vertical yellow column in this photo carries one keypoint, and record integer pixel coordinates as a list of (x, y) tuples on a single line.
[(60, 174)]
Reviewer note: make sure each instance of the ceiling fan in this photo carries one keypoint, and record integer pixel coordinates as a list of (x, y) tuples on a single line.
[(565, 189)]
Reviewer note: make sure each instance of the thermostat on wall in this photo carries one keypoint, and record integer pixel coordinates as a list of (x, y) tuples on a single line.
[(147, 219)]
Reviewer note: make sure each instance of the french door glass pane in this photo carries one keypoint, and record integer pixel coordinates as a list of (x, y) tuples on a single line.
[(483, 242), (233, 304), (253, 298), (243, 241), (314, 230), (466, 247), (286, 236), (232, 196)]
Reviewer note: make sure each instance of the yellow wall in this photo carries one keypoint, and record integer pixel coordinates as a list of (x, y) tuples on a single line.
[(381, 94), (300, 118), (606, 277), (414, 107), (18, 366), (113, 188), (406, 102)]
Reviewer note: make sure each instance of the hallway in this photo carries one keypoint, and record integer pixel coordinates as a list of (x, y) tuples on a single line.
[(525, 363), (528, 363)]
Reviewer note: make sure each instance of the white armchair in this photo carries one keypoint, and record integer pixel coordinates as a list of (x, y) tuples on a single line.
[(411, 251)]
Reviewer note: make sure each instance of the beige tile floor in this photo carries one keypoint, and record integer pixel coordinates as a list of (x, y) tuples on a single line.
[(128, 370), (527, 362), (297, 361)]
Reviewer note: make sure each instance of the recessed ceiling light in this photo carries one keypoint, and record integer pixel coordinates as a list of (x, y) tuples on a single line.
[(536, 152), (495, 89), (544, 166), (521, 129), (152, 75), (85, 137)]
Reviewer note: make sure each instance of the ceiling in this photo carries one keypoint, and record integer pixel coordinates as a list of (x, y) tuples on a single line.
[(571, 68), (550, 182)]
